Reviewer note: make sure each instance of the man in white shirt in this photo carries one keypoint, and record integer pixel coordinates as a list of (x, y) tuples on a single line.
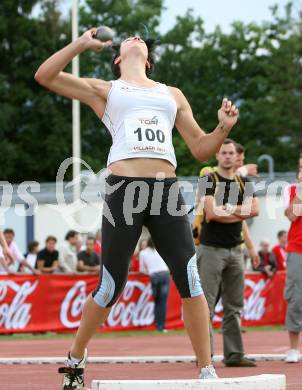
[(68, 259), (17, 257), (152, 264)]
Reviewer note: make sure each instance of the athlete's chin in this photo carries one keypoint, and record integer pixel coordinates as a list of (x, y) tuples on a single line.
[(137, 50)]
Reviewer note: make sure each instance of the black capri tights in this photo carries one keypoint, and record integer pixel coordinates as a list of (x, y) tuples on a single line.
[(129, 204)]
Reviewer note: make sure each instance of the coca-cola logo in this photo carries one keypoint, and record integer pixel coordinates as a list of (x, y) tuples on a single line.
[(15, 315), (127, 311), (254, 303)]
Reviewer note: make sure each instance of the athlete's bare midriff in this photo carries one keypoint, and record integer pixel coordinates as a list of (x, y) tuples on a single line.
[(142, 167)]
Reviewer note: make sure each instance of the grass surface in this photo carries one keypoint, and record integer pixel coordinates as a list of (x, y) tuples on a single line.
[(138, 333)]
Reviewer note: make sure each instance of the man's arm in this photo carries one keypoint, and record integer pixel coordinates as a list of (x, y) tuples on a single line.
[(46, 270), (89, 91), (249, 209), (6, 252), (25, 264), (294, 210), (202, 145), (87, 268), (218, 213), (250, 245), (5, 266)]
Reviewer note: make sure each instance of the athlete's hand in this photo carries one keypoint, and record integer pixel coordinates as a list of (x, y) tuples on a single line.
[(227, 114), (92, 43)]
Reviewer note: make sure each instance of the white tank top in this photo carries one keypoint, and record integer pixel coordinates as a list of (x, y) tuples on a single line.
[(140, 121)]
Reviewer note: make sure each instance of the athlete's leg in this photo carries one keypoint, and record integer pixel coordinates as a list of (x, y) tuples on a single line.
[(118, 245), (173, 239)]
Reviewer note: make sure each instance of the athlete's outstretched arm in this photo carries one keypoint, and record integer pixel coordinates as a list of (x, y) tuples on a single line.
[(50, 74), (203, 145)]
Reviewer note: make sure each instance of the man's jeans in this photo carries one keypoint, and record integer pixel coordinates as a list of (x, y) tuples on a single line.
[(160, 286), (224, 267)]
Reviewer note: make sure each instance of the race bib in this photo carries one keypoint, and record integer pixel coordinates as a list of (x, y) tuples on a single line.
[(147, 134)]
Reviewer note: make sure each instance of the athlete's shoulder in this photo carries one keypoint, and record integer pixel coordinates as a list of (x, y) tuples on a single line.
[(101, 87), (175, 91)]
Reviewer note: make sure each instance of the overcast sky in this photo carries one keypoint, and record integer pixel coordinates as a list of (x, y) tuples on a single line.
[(222, 12), (213, 12)]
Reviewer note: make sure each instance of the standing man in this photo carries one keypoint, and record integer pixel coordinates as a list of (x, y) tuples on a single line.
[(152, 264), (220, 257), (293, 289)]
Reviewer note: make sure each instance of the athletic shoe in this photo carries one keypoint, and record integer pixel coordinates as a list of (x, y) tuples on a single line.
[(73, 378), (293, 356), (208, 372), (242, 361)]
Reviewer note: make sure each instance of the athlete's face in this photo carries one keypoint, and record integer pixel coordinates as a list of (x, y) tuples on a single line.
[(226, 156), (133, 45)]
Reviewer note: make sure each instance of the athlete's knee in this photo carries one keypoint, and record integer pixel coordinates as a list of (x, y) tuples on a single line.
[(188, 281), (109, 289)]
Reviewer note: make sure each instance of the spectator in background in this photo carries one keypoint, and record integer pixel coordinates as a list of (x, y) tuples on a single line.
[(152, 264), (31, 256), (135, 266), (143, 244), (4, 268), (242, 169), (88, 259), (267, 259), (5, 256), (98, 242), (68, 260), (280, 251), (220, 256), (17, 257), (293, 289), (48, 258)]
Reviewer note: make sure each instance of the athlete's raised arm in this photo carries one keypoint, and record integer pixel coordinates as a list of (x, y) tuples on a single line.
[(203, 145), (89, 91)]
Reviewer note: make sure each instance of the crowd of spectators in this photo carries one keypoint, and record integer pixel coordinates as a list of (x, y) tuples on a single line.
[(72, 257), (75, 256)]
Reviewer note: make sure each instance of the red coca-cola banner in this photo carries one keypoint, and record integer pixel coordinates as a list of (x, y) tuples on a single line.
[(54, 303)]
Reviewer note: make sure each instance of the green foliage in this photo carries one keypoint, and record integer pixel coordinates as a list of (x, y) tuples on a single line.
[(258, 66)]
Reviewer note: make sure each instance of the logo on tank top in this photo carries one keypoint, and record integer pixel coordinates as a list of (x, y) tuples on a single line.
[(148, 121)]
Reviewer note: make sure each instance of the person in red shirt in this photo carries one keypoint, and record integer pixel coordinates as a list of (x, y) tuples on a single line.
[(280, 250), (98, 242), (293, 289)]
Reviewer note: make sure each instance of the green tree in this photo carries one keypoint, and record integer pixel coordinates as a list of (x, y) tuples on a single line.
[(258, 66), (32, 123)]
